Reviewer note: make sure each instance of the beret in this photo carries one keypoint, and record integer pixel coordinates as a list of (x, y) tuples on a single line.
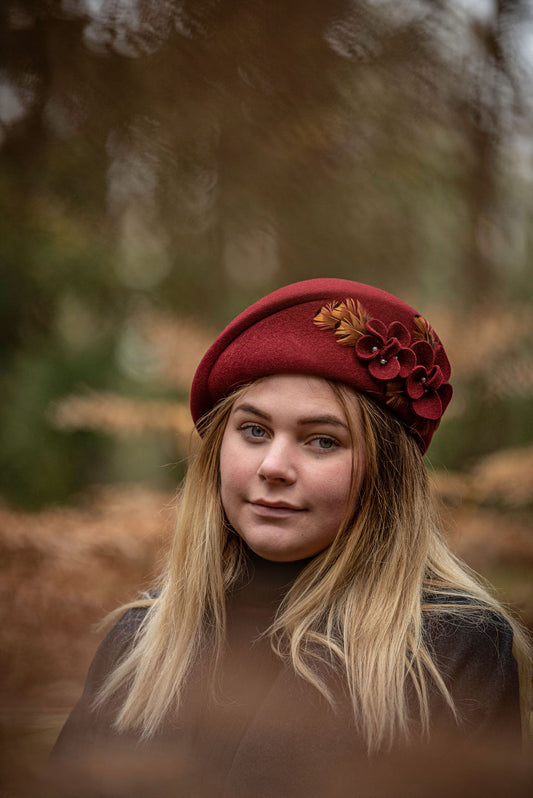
[(341, 330)]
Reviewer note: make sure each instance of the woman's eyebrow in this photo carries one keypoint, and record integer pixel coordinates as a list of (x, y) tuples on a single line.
[(245, 408), (308, 420), (326, 419)]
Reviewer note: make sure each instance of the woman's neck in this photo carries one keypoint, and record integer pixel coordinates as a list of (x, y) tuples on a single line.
[(265, 581)]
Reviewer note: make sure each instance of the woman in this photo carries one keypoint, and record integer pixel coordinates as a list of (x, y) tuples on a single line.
[(311, 619)]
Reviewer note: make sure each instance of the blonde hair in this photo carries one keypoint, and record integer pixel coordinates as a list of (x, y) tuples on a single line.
[(356, 608)]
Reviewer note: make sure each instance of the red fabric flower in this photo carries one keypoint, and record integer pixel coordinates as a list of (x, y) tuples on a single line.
[(426, 385), (386, 349)]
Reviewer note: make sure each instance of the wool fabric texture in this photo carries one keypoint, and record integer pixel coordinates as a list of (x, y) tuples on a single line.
[(340, 330)]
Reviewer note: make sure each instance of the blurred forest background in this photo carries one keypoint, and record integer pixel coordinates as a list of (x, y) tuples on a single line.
[(162, 164)]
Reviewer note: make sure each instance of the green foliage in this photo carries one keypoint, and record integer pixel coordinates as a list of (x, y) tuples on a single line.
[(40, 464), (484, 427)]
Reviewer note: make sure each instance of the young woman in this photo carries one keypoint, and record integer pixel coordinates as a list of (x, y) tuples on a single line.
[(311, 618)]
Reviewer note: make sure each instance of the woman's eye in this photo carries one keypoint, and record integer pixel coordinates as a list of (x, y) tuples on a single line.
[(324, 443), (253, 431)]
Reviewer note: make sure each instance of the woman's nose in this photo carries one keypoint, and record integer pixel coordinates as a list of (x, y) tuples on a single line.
[(277, 464)]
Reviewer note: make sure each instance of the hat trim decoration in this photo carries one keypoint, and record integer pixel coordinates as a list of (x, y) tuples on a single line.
[(413, 367)]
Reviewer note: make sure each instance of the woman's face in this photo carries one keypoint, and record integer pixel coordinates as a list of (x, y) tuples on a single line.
[(286, 466)]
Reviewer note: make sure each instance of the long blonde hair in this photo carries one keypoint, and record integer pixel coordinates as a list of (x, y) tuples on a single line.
[(357, 608)]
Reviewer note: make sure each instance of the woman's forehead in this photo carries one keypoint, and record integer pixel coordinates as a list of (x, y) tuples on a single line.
[(304, 393)]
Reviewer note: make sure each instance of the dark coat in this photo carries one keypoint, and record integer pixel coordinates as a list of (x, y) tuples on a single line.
[(271, 733)]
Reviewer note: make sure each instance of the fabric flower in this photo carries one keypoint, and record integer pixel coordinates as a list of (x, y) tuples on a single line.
[(426, 385), (386, 349)]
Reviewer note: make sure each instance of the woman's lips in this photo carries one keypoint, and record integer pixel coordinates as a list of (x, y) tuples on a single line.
[(275, 509)]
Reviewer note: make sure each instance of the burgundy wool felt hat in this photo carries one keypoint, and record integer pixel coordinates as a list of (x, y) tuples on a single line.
[(340, 330)]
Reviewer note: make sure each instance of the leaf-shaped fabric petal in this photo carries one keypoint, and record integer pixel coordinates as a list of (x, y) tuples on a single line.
[(387, 370), (434, 378), (407, 360), (428, 406), (445, 393), (424, 354), (442, 361), (399, 331), (368, 346), (377, 328), (414, 384)]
